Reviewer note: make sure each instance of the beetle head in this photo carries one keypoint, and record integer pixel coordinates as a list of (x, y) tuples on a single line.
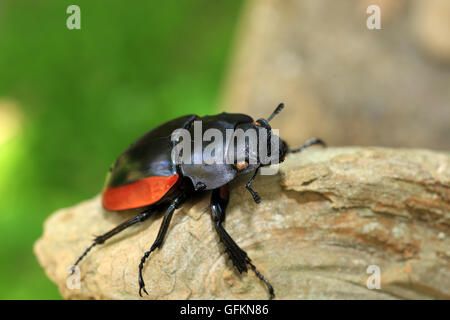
[(254, 145)]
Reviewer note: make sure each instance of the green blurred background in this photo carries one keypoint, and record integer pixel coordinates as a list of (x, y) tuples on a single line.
[(72, 100)]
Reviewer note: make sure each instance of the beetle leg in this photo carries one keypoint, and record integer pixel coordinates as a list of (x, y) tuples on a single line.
[(308, 143), (254, 194), (219, 201), (101, 239), (176, 203), (240, 259)]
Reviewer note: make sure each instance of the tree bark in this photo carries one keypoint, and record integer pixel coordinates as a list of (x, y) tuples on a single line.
[(325, 218)]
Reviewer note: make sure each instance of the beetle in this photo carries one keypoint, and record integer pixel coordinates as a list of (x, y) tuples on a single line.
[(146, 177)]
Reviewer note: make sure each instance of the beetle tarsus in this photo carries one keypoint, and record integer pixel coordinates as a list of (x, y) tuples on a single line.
[(142, 286), (255, 195), (83, 255), (308, 143), (141, 266), (261, 276)]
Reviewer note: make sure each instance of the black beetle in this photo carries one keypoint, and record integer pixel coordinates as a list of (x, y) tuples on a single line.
[(146, 176)]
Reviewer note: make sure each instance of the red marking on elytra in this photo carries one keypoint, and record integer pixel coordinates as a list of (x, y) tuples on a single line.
[(138, 194)]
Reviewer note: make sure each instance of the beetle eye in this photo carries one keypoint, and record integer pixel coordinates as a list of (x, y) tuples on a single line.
[(242, 165)]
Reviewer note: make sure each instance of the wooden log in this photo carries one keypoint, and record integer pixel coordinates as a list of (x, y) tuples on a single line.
[(325, 218)]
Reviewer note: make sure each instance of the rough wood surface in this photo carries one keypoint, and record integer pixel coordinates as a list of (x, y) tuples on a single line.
[(327, 216)]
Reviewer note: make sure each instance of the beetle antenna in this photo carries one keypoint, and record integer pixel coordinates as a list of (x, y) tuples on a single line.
[(277, 111)]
